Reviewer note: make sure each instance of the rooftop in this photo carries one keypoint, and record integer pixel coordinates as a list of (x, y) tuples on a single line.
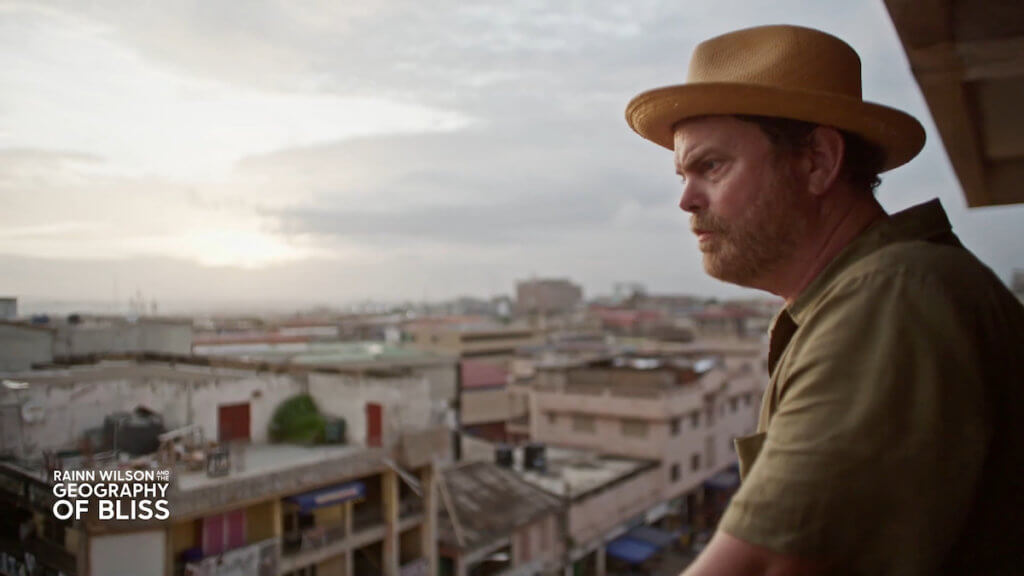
[(258, 460), (573, 474), (348, 354), (120, 369), (485, 502)]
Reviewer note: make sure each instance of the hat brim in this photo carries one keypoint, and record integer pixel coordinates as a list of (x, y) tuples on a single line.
[(655, 113)]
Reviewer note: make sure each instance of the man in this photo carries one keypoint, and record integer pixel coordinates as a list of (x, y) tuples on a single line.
[(891, 436)]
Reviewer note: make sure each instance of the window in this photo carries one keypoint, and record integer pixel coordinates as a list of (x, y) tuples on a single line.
[(674, 426), (734, 403), (633, 427), (695, 462), (746, 399), (695, 420), (583, 423), (552, 418), (673, 474)]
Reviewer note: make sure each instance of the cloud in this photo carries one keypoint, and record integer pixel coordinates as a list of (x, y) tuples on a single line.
[(381, 149)]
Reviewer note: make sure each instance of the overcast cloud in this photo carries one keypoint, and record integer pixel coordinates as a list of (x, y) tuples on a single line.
[(340, 151)]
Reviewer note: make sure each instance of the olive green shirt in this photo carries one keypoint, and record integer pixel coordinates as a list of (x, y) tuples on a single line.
[(891, 436)]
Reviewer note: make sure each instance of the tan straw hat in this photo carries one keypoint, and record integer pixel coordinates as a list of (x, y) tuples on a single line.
[(779, 71)]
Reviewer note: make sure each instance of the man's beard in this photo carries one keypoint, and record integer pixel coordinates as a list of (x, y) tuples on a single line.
[(748, 249)]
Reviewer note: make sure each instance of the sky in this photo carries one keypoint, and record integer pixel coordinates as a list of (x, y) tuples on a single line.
[(330, 152)]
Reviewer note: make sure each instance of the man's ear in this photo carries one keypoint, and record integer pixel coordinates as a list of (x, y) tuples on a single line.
[(825, 159)]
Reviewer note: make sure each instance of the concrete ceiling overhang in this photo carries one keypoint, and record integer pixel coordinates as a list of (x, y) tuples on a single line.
[(968, 58)]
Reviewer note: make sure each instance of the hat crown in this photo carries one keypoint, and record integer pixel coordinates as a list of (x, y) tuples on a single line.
[(792, 57)]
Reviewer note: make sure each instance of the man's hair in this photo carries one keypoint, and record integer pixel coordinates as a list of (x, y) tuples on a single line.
[(862, 161)]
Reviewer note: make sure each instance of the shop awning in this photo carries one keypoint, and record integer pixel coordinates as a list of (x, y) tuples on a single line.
[(639, 544), (657, 538), (724, 480), (329, 496), (630, 550)]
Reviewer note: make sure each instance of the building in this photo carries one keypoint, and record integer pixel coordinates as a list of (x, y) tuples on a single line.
[(79, 336), (484, 405), (547, 297), (8, 308), (362, 503), (494, 522), (375, 360), (288, 510), (23, 345), (496, 343), (559, 349), (603, 498), (731, 323), (679, 411)]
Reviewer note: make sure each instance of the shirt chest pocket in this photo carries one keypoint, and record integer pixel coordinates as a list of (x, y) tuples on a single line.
[(747, 449)]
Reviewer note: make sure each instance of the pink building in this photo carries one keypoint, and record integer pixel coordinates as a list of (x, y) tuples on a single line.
[(681, 413)]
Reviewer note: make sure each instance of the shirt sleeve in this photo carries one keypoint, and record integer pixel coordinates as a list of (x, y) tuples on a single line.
[(880, 429)]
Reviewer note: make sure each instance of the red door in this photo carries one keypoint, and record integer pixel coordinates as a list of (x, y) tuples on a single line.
[(233, 422), (374, 423)]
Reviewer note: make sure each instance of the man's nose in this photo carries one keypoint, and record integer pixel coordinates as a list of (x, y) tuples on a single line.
[(693, 199)]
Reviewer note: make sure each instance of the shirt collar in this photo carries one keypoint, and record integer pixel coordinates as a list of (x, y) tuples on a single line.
[(925, 221)]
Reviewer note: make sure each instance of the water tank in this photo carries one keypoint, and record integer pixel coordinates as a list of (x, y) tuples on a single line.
[(133, 432), (535, 457), (334, 431), (503, 455)]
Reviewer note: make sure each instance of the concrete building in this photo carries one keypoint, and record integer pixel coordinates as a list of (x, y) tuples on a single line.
[(603, 497), (8, 308), (484, 405), (291, 510), (681, 412), (560, 349), (368, 507), (731, 323), (396, 364), (480, 341), (78, 336), (495, 523), (23, 346), (550, 296)]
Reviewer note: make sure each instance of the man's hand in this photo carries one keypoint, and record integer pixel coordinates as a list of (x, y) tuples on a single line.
[(727, 555)]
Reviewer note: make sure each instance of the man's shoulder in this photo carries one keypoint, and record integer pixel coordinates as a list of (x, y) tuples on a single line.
[(920, 269)]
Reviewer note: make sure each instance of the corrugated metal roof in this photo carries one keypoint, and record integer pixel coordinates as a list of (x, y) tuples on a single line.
[(489, 502)]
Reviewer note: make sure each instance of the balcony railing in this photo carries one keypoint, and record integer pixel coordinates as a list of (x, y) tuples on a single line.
[(258, 559), (312, 538), (364, 519), (410, 506)]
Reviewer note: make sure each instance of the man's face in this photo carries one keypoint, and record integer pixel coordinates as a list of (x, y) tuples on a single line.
[(750, 208)]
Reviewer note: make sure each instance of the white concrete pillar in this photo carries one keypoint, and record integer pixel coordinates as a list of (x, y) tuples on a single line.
[(428, 529)]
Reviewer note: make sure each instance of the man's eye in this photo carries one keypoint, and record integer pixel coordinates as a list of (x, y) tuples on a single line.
[(710, 165)]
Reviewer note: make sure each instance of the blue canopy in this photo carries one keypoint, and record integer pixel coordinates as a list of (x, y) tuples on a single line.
[(724, 480), (329, 496), (657, 538), (630, 550)]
